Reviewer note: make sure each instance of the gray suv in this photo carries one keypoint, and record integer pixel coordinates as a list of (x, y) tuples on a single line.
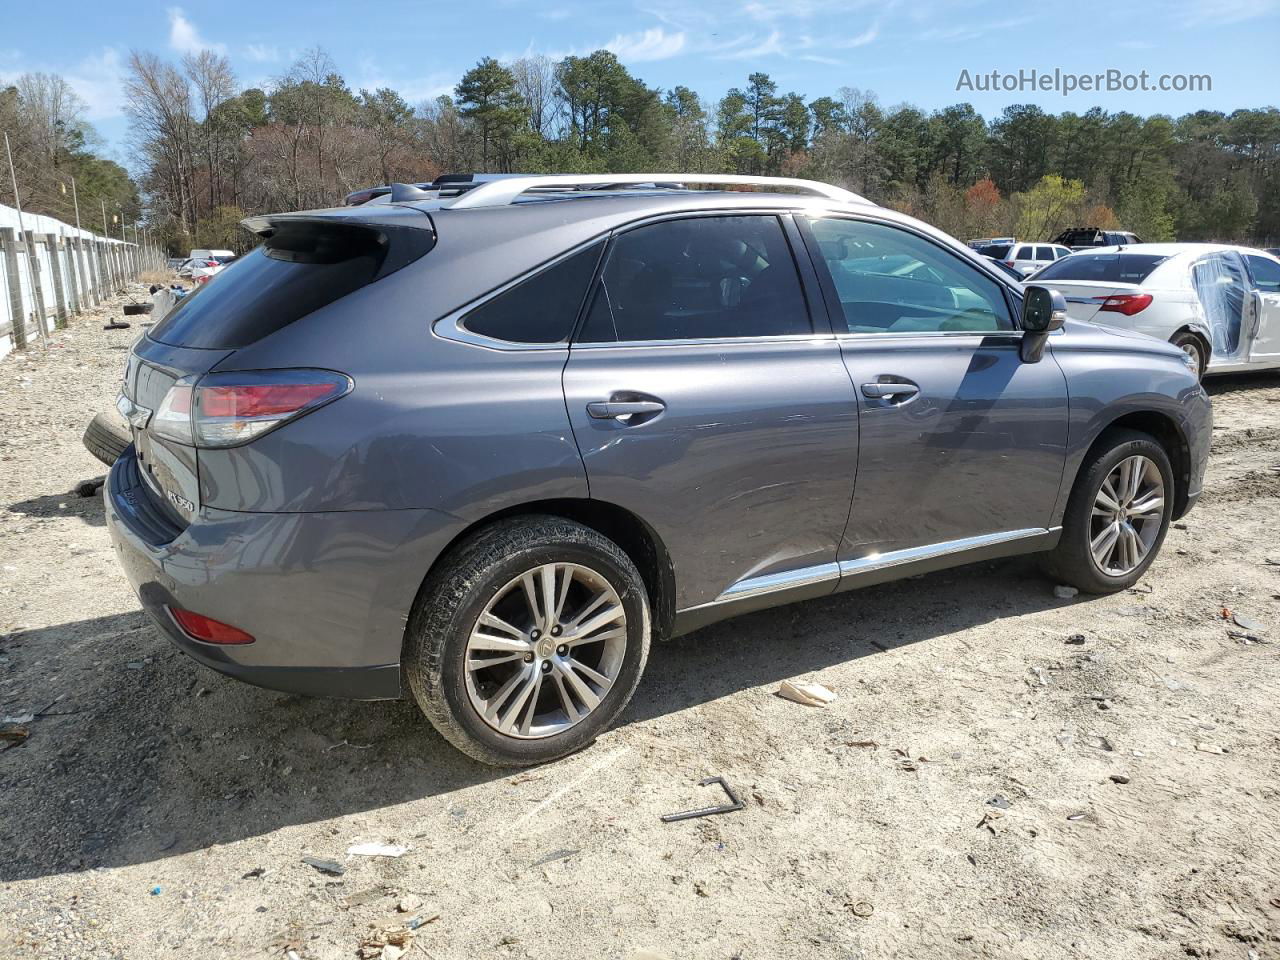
[(485, 447)]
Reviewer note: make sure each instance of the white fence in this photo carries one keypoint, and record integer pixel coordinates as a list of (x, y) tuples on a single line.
[(53, 271)]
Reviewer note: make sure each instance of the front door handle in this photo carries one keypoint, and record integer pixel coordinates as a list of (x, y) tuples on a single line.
[(622, 409), (878, 390)]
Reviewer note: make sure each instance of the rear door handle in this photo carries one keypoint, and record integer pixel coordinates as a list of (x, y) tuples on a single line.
[(889, 389), (621, 409)]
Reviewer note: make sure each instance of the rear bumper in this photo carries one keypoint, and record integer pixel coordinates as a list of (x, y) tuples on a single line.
[(325, 595)]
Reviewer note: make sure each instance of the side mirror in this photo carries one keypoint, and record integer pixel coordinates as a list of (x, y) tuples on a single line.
[(1043, 311)]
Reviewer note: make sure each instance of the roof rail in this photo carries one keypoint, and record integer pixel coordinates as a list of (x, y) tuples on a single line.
[(500, 193)]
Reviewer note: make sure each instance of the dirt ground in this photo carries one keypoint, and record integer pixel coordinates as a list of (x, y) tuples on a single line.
[(160, 810)]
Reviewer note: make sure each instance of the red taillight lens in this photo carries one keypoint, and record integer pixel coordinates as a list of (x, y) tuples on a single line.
[(1126, 303), (211, 263), (266, 400), (1010, 263), (206, 629), (228, 409)]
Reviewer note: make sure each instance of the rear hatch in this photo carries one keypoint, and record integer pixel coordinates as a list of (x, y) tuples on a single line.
[(306, 262), (1094, 279)]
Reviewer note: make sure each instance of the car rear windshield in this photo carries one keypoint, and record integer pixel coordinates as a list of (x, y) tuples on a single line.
[(997, 251), (303, 266), (1103, 267)]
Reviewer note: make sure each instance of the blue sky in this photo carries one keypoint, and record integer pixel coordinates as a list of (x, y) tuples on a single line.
[(904, 50)]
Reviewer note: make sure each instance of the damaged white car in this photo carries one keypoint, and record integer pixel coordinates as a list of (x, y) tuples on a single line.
[(1220, 304)]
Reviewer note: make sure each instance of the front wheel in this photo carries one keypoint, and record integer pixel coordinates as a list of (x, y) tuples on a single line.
[(1117, 516), (529, 641)]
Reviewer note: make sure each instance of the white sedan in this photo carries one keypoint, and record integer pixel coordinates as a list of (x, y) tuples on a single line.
[(1220, 304)]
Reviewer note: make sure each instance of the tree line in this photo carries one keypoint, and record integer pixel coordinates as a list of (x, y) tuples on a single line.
[(56, 159), (210, 152)]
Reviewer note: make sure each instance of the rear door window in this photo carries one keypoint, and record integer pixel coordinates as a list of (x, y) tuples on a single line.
[(701, 278), (1103, 267), (303, 265), (997, 251)]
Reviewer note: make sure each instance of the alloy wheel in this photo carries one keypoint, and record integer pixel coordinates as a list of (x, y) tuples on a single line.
[(1128, 511), (546, 650), (1192, 350)]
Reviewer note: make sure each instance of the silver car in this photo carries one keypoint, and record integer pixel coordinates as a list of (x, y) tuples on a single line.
[(481, 446)]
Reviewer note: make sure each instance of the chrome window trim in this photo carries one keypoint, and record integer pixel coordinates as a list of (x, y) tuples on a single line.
[(1012, 335), (895, 558), (449, 326), (577, 347)]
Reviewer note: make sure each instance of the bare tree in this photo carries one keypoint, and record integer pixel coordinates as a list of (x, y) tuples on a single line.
[(158, 104), (536, 83), (52, 113), (211, 76)]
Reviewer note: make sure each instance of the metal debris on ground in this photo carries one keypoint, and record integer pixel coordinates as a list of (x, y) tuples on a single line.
[(555, 855), (1119, 778), (376, 850), (1253, 626), (998, 801), (423, 920), (1211, 748), (734, 803), (809, 694), (325, 866), (1076, 640)]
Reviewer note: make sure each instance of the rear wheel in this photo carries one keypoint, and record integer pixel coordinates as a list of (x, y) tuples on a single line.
[(1117, 516), (1193, 347), (529, 642)]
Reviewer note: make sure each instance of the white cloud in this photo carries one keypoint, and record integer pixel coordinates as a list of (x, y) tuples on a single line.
[(185, 38), (262, 53), (770, 46), (98, 79), (653, 44)]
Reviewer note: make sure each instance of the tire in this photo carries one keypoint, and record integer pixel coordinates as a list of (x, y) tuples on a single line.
[(106, 437), (1072, 561), (1191, 344), (484, 574), (137, 309)]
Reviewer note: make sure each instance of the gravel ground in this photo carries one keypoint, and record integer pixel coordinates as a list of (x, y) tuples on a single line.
[(1004, 774)]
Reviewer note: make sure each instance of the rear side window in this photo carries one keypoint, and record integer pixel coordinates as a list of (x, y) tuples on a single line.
[(997, 251), (1103, 267), (700, 278), (303, 266), (541, 309), (1044, 253)]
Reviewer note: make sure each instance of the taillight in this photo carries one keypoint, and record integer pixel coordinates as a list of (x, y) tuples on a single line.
[(228, 409), (206, 629), (1011, 263), (1126, 303), (204, 278), (211, 263)]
